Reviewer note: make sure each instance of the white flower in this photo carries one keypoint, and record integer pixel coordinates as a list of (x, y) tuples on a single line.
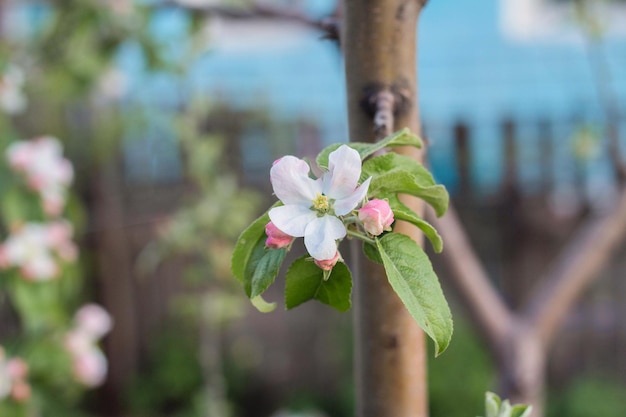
[(312, 206)]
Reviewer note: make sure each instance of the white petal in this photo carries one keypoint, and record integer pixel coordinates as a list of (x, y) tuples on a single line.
[(344, 170), (292, 219), (346, 205), (320, 236), (291, 182)]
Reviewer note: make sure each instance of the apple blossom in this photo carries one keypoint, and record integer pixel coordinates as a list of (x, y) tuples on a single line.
[(276, 239), (376, 216), (313, 207)]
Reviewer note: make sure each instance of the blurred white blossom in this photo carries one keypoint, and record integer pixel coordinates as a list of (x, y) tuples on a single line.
[(89, 364), (32, 248), (12, 98), (13, 374), (46, 170), (113, 84), (93, 321)]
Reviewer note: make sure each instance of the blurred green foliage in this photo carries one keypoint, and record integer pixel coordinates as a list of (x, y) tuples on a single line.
[(589, 396), (459, 378)]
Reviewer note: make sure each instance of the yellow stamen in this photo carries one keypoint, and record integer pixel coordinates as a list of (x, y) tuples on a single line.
[(321, 203)]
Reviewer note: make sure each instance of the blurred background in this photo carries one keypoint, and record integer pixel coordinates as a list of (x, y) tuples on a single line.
[(171, 113)]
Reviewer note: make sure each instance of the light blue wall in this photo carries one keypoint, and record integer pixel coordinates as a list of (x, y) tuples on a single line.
[(468, 71)]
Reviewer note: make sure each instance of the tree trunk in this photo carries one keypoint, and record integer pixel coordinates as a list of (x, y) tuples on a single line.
[(379, 42)]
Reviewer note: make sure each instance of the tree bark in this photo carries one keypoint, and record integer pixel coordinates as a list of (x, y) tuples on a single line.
[(379, 43)]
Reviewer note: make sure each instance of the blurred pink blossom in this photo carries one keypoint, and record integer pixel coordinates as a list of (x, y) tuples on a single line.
[(90, 367), (89, 364), (46, 170), (33, 246), (93, 320), (17, 368), (13, 373), (21, 391)]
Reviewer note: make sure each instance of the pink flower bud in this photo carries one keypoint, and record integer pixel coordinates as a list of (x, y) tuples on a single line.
[(20, 391), (376, 216), (17, 368), (276, 238), (327, 264)]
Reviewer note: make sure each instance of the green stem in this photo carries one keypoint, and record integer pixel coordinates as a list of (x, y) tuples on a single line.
[(361, 237), (350, 219)]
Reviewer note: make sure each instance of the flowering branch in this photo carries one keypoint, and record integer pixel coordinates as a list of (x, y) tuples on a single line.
[(356, 196)]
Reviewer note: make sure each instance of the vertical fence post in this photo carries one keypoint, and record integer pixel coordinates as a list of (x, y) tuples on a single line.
[(463, 159), (510, 155), (546, 159)]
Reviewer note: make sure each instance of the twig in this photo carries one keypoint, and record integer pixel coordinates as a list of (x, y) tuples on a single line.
[(576, 267), (383, 102), (328, 25), (471, 279)]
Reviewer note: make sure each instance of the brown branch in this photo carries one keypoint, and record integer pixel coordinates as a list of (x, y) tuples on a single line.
[(328, 25), (576, 268), (472, 281)]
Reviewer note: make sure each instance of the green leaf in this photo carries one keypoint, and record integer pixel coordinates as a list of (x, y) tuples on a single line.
[(492, 404), (252, 263), (263, 306), (393, 173), (266, 270), (402, 137), (402, 212), (520, 410), (412, 277), (246, 245), (305, 281), (371, 252)]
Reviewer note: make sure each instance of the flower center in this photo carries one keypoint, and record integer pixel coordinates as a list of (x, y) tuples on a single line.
[(321, 204)]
